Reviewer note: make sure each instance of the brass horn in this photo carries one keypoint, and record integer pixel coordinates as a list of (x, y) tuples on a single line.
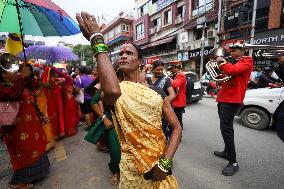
[(212, 67)]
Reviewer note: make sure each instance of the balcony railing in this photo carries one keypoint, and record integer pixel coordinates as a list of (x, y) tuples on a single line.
[(202, 9)]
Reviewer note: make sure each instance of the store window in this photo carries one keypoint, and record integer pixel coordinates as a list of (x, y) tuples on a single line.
[(140, 31), (201, 6), (181, 11), (198, 33), (125, 28), (143, 10), (111, 34), (168, 17), (117, 30), (156, 23)]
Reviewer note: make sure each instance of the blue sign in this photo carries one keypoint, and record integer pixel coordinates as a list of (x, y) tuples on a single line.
[(163, 3)]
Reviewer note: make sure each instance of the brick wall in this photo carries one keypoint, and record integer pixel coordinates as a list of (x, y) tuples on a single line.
[(275, 13)]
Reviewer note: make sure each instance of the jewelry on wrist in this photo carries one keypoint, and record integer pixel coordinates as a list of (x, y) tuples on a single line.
[(166, 163), (95, 35), (162, 168), (99, 48), (104, 116)]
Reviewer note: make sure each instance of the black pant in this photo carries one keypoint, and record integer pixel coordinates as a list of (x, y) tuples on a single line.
[(179, 111), (227, 112), (280, 122)]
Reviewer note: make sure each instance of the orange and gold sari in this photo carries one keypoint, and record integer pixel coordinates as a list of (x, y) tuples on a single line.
[(139, 114), (42, 104)]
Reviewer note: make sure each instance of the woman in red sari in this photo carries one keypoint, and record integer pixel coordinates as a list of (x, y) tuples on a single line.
[(54, 102), (26, 140), (70, 107)]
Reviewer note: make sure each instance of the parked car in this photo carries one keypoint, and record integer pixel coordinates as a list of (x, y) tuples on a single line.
[(261, 107), (194, 91)]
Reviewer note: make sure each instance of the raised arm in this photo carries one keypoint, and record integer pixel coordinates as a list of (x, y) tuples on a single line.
[(108, 78), (240, 67), (67, 78)]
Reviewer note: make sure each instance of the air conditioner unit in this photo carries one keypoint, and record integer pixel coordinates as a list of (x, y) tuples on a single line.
[(197, 45), (151, 31), (158, 29), (210, 34), (179, 47), (187, 47)]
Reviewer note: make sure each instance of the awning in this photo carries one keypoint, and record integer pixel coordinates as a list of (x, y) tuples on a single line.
[(120, 38), (159, 42)]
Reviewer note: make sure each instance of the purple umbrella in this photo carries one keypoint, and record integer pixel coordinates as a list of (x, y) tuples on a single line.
[(50, 53)]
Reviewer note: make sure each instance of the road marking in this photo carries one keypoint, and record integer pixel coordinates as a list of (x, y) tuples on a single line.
[(60, 153)]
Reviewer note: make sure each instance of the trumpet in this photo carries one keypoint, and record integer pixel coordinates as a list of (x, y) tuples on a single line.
[(264, 51), (212, 67)]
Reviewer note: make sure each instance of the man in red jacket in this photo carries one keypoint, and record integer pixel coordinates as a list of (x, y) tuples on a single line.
[(230, 99), (179, 84)]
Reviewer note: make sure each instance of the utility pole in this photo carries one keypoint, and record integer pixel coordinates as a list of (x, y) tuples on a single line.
[(202, 50), (217, 39), (253, 26)]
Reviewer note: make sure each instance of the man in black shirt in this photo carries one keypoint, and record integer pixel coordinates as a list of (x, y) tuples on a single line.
[(265, 80)]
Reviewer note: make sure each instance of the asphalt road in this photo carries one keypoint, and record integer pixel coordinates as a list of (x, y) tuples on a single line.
[(75, 163)]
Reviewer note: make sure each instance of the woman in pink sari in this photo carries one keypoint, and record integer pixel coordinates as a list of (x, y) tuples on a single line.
[(70, 107)]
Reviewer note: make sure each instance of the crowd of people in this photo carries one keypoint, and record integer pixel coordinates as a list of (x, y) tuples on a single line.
[(47, 111), (134, 117), (263, 77)]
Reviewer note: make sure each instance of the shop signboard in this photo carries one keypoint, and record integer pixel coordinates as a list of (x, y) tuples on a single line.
[(152, 59), (197, 53), (183, 56), (271, 37)]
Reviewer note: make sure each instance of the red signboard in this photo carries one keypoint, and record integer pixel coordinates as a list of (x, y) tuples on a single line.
[(152, 59)]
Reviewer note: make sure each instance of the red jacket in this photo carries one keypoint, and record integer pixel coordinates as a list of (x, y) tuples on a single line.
[(179, 82), (233, 91)]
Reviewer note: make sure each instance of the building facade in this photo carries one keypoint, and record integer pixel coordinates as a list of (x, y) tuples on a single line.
[(170, 30), (118, 32), (156, 28), (175, 29), (269, 24)]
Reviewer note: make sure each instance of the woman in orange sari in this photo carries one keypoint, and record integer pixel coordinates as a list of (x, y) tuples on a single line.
[(54, 103), (70, 107)]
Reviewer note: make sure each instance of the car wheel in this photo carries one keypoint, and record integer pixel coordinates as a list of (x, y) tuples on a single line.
[(255, 118)]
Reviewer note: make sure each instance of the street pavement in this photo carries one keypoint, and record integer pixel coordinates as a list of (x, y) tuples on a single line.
[(76, 164)]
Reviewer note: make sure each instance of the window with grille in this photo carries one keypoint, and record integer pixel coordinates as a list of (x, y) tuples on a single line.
[(168, 17), (140, 31)]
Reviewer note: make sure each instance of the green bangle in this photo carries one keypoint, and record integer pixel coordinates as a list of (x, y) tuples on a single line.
[(166, 163), (99, 48)]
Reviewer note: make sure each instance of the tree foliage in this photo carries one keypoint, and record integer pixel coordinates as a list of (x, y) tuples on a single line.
[(88, 56)]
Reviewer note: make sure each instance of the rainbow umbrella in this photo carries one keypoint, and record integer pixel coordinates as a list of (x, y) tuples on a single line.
[(35, 17)]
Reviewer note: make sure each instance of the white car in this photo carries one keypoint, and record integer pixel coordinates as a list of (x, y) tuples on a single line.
[(261, 107)]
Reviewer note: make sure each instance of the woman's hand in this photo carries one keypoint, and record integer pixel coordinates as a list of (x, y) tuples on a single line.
[(107, 123), (88, 24), (158, 174)]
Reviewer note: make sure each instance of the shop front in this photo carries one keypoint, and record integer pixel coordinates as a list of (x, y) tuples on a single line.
[(194, 59)]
